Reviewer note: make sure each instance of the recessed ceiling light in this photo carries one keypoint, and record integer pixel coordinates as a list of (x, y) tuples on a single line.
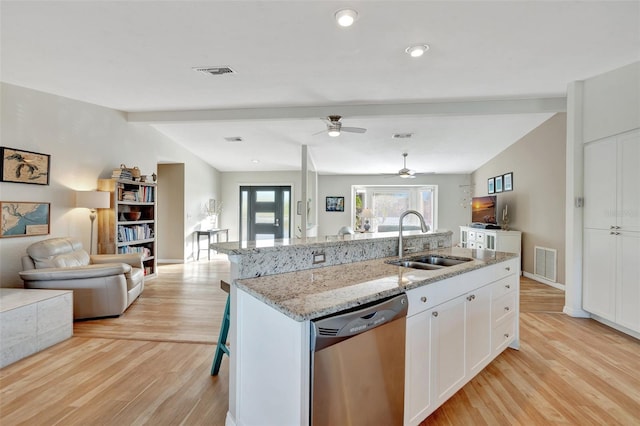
[(346, 17), (254, 161), (417, 50)]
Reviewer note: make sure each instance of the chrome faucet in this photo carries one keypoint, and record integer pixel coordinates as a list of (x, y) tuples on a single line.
[(425, 228)]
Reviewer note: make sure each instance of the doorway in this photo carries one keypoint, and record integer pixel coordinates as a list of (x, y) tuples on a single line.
[(265, 212)]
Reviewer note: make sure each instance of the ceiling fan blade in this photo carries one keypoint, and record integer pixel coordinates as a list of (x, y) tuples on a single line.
[(353, 129)]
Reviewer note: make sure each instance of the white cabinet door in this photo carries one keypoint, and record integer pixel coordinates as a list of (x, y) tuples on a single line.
[(447, 343), (628, 307), (629, 182), (600, 184), (418, 402), (599, 272), (478, 330)]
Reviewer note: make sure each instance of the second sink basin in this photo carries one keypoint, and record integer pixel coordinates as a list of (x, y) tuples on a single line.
[(429, 262)]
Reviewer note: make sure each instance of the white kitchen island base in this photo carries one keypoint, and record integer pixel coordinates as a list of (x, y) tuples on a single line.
[(456, 325)]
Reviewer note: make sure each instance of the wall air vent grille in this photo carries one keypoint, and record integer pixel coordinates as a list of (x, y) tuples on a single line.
[(545, 263), (214, 70)]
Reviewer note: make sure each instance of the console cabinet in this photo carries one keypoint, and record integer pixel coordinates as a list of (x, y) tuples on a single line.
[(119, 230), (611, 243), (455, 328), (491, 239)]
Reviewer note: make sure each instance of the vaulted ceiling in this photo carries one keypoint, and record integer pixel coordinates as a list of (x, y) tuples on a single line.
[(493, 72)]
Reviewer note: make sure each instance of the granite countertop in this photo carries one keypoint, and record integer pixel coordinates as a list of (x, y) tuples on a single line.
[(245, 247), (313, 293)]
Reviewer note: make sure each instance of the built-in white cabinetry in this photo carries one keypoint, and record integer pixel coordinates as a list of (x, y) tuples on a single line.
[(611, 237), (455, 327), (491, 239)]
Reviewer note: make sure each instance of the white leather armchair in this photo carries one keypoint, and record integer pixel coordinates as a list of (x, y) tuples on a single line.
[(103, 285)]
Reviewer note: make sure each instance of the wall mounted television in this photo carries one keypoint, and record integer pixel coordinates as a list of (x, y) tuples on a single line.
[(483, 209)]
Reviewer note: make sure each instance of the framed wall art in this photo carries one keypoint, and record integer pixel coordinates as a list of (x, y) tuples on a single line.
[(24, 219), (24, 166), (507, 181), (335, 204), (491, 188), (498, 183)]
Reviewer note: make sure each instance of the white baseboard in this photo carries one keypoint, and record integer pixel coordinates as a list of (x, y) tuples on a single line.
[(576, 313), (170, 261), (616, 326), (543, 281)]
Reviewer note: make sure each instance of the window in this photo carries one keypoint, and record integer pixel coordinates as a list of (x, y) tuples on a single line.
[(386, 204)]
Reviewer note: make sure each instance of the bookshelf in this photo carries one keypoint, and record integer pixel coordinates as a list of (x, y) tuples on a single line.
[(129, 225)]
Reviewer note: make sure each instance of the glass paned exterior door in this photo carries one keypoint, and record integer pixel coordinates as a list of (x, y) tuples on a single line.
[(265, 212)]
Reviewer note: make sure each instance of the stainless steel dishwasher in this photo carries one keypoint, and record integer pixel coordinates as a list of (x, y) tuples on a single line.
[(357, 367)]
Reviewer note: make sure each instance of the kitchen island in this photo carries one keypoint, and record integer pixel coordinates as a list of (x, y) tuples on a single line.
[(475, 302)]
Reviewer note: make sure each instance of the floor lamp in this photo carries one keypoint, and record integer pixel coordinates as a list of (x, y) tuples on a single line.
[(92, 200)]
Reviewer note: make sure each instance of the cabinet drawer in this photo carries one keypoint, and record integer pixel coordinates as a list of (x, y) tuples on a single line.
[(480, 237), (423, 298), (502, 307), (472, 235), (504, 269), (503, 286), (502, 335)]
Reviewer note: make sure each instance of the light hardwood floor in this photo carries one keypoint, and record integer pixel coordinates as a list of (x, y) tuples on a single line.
[(151, 366)]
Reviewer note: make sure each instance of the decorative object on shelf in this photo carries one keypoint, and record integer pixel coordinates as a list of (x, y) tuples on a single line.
[(213, 210), (132, 216), (367, 214), (505, 218), (491, 188), (508, 181), (24, 219), (154, 176), (498, 183), (24, 166), (335, 204), (92, 200)]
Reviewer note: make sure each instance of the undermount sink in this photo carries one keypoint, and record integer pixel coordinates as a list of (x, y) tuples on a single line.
[(430, 262)]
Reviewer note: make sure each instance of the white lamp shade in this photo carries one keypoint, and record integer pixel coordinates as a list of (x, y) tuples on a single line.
[(93, 199)]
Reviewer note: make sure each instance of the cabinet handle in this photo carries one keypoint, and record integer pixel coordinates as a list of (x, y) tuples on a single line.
[(614, 233), (508, 268), (470, 298), (612, 227), (508, 286), (423, 299), (506, 308), (506, 335), (435, 314), (617, 227)]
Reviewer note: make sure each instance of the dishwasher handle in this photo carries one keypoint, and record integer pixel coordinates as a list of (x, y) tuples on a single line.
[(341, 326)]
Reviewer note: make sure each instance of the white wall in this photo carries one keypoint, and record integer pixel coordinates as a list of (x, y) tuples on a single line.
[(452, 212), (85, 142)]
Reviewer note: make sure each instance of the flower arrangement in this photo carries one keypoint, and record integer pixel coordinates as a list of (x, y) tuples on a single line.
[(212, 208)]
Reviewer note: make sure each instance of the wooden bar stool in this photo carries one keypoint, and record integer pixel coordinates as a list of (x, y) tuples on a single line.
[(221, 347)]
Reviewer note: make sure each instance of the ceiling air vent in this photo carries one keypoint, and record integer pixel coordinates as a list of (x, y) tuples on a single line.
[(402, 135), (214, 70), (233, 139)]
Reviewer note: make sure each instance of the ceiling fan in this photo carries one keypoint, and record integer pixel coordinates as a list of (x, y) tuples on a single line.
[(334, 127), (404, 172)]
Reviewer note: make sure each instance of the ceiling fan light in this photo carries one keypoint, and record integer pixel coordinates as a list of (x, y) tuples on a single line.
[(346, 17), (417, 51), (333, 133)]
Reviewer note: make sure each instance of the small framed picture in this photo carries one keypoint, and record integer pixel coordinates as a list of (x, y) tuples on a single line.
[(508, 181), (498, 183), (24, 219), (491, 188), (335, 204), (24, 166)]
